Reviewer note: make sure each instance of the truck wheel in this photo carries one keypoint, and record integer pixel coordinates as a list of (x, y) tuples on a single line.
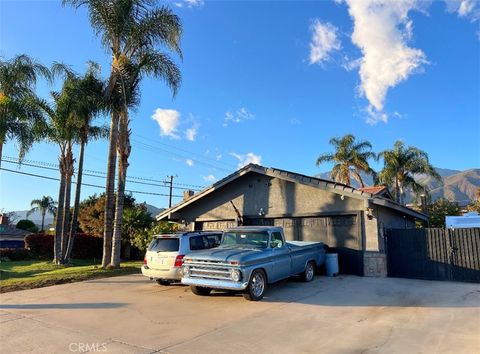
[(200, 290), (256, 286), (309, 272)]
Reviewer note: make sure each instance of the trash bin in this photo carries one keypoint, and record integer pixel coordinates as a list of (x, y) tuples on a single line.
[(331, 264)]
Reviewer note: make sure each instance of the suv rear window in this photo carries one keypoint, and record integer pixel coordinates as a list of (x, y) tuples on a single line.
[(160, 244), (202, 242)]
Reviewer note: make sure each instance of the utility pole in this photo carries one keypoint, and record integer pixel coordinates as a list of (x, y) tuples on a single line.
[(171, 188)]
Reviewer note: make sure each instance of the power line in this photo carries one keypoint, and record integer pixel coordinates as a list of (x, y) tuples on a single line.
[(149, 147), (184, 150), (98, 174), (86, 184)]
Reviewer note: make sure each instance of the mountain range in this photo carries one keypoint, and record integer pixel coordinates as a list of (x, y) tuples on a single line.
[(459, 186)]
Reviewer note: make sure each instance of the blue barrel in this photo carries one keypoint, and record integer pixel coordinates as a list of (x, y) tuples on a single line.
[(331, 264)]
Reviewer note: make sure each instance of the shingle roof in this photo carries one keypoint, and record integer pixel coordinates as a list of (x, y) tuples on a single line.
[(335, 187)]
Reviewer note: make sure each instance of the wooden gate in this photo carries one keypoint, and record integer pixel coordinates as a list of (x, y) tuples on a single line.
[(434, 254)]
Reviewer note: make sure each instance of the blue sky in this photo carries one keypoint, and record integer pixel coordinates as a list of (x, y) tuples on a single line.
[(271, 82)]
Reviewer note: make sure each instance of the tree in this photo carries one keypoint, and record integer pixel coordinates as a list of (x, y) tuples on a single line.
[(91, 213), (132, 30), (20, 111), (44, 206), (350, 158), (27, 225), (63, 129), (142, 237), (400, 165), (88, 103), (439, 209), (135, 218)]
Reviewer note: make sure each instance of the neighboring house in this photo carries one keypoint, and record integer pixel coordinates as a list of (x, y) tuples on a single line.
[(348, 220), (11, 237)]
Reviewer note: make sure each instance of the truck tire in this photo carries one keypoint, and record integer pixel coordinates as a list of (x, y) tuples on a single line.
[(256, 286), (200, 290), (309, 272)]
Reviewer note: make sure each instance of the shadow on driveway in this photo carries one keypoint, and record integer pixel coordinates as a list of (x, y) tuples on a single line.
[(77, 306)]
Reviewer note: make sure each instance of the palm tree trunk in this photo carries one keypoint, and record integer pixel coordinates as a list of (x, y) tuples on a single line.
[(43, 218), (68, 192), (123, 154), (1, 151), (78, 189), (397, 190), (110, 191), (59, 220)]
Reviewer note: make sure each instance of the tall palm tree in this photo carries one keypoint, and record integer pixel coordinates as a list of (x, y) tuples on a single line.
[(88, 103), (44, 206), (350, 158), (401, 164), (132, 31), (63, 129), (20, 110)]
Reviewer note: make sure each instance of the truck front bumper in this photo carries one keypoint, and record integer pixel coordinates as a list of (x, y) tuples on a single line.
[(215, 284)]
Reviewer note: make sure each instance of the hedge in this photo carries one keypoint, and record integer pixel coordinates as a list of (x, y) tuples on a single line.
[(84, 247), (15, 254)]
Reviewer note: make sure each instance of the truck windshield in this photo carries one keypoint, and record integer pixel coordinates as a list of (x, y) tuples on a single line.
[(255, 239)]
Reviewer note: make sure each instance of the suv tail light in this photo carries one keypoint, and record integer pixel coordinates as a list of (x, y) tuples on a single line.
[(145, 260), (179, 260)]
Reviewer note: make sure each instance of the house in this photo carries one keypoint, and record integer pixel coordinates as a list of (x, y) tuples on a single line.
[(350, 221), (10, 236)]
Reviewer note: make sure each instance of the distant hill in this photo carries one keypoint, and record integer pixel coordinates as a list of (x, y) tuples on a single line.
[(457, 185)]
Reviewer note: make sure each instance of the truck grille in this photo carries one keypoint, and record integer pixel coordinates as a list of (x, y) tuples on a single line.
[(209, 269)]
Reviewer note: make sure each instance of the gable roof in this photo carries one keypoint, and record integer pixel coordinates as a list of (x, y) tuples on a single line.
[(377, 191), (334, 187)]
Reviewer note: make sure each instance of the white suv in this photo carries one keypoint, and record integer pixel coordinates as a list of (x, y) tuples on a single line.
[(164, 258)]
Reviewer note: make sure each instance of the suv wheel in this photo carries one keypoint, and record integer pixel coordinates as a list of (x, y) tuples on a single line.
[(163, 282)]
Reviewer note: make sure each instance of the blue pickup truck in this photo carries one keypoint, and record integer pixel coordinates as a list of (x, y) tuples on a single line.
[(249, 258)]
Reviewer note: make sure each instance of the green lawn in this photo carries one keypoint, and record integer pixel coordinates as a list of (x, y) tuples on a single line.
[(35, 274)]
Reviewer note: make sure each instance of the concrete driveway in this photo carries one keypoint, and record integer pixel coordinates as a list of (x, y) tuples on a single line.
[(348, 314)]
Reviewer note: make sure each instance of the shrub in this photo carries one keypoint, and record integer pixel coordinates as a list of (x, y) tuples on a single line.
[(27, 225), (85, 246), (14, 254)]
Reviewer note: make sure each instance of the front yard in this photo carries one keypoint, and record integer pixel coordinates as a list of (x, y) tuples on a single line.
[(22, 275)]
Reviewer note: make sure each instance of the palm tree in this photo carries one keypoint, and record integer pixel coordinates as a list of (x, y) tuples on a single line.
[(63, 129), (88, 103), (19, 106), (44, 206), (350, 158), (401, 164), (131, 30)]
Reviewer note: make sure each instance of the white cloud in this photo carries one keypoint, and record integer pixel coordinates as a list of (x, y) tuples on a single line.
[(209, 178), (464, 8), (295, 121), (168, 120), (189, 3), (191, 133), (381, 31), (324, 41), (189, 162), (241, 115), (218, 157), (245, 159)]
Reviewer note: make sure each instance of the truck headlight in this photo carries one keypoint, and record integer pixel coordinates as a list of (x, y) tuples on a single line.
[(186, 271), (236, 274)]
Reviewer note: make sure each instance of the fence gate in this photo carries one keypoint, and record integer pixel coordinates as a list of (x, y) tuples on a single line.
[(434, 254)]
